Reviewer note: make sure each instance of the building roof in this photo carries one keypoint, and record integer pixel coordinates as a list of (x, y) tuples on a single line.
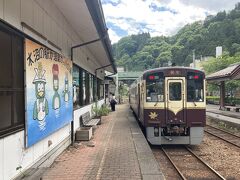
[(129, 75), (229, 73), (87, 19)]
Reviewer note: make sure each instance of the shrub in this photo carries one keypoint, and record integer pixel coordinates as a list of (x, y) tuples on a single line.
[(104, 110), (228, 100), (100, 111), (213, 99)]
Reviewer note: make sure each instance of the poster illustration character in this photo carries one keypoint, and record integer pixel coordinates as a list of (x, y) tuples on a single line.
[(48, 74), (56, 102), (41, 104), (66, 92)]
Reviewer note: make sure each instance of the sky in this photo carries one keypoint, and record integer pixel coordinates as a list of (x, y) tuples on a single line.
[(158, 17)]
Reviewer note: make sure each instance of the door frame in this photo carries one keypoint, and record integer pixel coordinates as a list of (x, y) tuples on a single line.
[(177, 105)]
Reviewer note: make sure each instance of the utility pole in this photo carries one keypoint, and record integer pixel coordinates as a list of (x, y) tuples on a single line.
[(194, 63)]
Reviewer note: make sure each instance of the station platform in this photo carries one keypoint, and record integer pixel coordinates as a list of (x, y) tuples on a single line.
[(226, 116), (118, 150)]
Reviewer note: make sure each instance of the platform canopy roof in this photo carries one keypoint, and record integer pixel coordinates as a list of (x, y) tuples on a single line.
[(87, 19), (129, 75), (229, 73)]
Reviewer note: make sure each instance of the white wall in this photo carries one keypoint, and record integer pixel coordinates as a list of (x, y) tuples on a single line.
[(47, 20), (13, 153)]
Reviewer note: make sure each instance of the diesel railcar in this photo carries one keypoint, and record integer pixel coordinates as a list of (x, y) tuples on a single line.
[(170, 104)]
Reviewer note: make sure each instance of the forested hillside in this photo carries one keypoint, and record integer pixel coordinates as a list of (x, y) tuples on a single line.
[(139, 52)]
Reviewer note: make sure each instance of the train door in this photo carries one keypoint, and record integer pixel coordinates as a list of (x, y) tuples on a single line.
[(175, 100)]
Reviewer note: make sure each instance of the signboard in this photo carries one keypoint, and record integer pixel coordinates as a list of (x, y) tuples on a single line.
[(49, 103)]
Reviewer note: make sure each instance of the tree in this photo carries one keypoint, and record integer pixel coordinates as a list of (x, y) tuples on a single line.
[(235, 48), (177, 54), (164, 57)]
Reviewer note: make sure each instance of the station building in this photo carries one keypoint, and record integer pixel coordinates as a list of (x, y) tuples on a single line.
[(53, 58)]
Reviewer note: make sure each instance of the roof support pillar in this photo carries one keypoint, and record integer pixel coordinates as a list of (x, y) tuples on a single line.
[(222, 95)]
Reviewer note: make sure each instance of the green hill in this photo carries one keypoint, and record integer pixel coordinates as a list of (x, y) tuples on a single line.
[(139, 52)]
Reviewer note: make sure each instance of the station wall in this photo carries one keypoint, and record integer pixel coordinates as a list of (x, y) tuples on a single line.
[(42, 21)]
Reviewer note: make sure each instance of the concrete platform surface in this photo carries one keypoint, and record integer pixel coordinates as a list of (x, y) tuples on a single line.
[(118, 150), (215, 109), (227, 116)]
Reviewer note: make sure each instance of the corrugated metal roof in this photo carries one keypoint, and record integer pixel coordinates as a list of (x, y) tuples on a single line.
[(231, 72)]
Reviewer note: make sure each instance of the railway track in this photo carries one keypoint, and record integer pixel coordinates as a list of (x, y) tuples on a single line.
[(188, 164), (223, 135)]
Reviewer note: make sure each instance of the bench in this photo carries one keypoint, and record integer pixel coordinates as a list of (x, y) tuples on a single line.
[(234, 108), (85, 132), (87, 121)]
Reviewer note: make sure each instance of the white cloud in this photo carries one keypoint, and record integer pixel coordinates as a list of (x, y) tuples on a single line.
[(159, 17), (212, 5), (113, 36)]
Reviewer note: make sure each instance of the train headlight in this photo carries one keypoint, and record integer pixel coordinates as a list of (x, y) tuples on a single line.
[(156, 131)]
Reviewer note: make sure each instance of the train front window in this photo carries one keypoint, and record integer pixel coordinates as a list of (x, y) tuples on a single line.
[(175, 91), (195, 91), (155, 88)]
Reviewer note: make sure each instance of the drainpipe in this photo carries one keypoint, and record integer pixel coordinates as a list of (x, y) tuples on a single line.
[(74, 47)]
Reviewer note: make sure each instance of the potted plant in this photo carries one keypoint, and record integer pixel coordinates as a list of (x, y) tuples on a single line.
[(104, 110), (100, 111), (96, 111)]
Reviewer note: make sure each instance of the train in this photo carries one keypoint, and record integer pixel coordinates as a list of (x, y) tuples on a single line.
[(170, 104)]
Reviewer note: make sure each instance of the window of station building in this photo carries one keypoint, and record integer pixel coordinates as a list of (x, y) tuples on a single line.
[(98, 89), (101, 89), (195, 91), (83, 89), (76, 86), (83, 85), (11, 82), (91, 87), (87, 88), (95, 94)]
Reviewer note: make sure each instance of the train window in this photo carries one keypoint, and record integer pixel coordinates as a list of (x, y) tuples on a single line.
[(195, 87), (155, 88), (175, 91)]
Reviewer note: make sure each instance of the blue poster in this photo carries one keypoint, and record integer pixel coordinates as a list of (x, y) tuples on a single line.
[(49, 103)]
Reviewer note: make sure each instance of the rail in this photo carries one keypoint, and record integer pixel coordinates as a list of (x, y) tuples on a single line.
[(184, 177), (174, 165), (235, 141)]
